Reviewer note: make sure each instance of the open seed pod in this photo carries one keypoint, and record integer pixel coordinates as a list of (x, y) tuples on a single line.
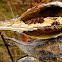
[(43, 49), (44, 20)]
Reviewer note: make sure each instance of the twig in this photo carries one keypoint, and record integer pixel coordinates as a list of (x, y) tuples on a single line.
[(6, 47), (21, 57)]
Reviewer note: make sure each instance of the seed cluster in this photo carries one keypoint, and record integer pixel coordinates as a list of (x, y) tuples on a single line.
[(35, 20), (55, 23), (45, 30)]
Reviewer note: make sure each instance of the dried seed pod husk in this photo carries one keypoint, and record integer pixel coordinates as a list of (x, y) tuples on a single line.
[(45, 10), (42, 22), (43, 49), (51, 13)]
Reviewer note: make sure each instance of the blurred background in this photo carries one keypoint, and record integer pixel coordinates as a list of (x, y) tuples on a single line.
[(10, 9)]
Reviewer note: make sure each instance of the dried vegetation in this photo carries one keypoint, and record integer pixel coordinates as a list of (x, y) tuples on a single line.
[(11, 9)]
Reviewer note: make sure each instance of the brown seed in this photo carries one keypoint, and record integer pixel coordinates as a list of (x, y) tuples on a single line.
[(41, 20), (55, 23)]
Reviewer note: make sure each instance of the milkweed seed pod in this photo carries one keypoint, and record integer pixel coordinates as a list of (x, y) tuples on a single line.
[(44, 20)]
